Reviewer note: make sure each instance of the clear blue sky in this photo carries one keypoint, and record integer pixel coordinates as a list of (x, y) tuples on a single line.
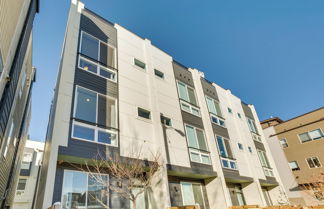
[(269, 53)]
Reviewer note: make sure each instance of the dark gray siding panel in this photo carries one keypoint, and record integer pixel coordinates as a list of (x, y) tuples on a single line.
[(95, 83), (234, 175), (209, 89), (192, 119), (221, 131), (182, 74), (89, 150), (247, 111), (95, 26), (259, 145), (58, 184), (202, 168)]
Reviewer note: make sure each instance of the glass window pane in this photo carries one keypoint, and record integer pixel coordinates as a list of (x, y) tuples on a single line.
[(192, 96), (158, 73), (106, 137), (315, 134), (225, 163), (221, 146), (316, 162), (304, 137), (185, 107), (139, 63), (233, 165), (201, 140), (211, 105), (83, 132), (86, 105), (310, 163), (107, 74), (187, 193), (183, 92), (111, 113), (88, 66), (74, 190), (195, 111), (214, 119), (97, 191), (205, 159), (90, 46), (283, 143), (21, 184), (195, 157), (140, 201), (191, 136), (197, 190), (144, 113)]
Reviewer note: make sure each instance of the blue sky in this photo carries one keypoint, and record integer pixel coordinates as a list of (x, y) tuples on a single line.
[(269, 53)]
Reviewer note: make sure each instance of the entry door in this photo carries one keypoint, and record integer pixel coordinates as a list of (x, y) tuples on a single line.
[(266, 196), (192, 194)]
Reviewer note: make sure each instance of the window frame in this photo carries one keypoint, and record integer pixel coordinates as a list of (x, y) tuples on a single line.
[(255, 131), (159, 72), (99, 42), (311, 139), (96, 130), (86, 195), (191, 183), (240, 146), (21, 190), (312, 158), (295, 169), (194, 91), (98, 65), (167, 118), (143, 118), (191, 107), (197, 150), (217, 116), (137, 66), (285, 142)]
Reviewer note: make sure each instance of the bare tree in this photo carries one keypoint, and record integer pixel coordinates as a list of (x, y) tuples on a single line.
[(133, 176)]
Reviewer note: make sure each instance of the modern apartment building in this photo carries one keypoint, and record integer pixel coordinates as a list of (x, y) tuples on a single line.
[(297, 146), (16, 78), (117, 92), (29, 174)]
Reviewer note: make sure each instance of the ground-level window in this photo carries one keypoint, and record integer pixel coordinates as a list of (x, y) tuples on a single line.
[(81, 190), (192, 194)]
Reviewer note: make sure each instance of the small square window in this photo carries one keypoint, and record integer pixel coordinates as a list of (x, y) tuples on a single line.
[(159, 73), (239, 115), (250, 149), (139, 63), (283, 143), (144, 113), (166, 121), (294, 166), (240, 146), (229, 110)]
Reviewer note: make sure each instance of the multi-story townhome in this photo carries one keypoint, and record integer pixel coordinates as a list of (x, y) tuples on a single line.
[(297, 147), (116, 92), (16, 78), (29, 175)]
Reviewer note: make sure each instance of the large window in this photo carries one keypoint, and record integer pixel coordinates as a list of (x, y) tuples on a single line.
[(252, 125), (188, 99), (197, 145), (92, 112), (313, 162), (97, 50), (311, 135), (265, 163), (215, 112), (192, 194), (81, 190), (225, 152), (26, 161)]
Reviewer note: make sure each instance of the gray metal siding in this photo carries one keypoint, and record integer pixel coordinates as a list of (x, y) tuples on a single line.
[(247, 111), (209, 89), (259, 145), (221, 131), (192, 119), (182, 74)]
